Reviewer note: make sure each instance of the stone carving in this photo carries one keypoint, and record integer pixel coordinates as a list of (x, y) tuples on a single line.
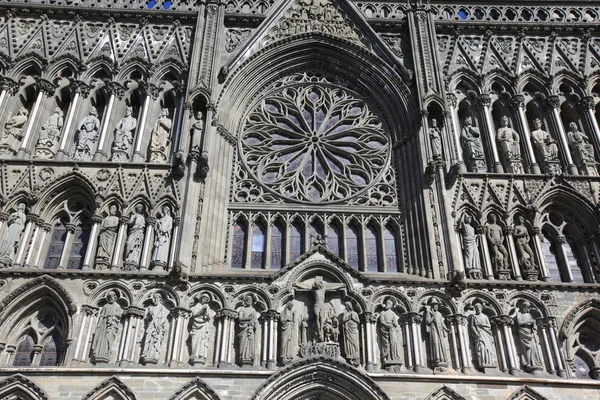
[(13, 132), (235, 37), (49, 135), (107, 239), (351, 325), (289, 333), (247, 323), (510, 147), (198, 127), (200, 322), (546, 148), (319, 289), (470, 248), (435, 134), (124, 131), (107, 329), (473, 148), (87, 135), (482, 336), (581, 150), (495, 237), (159, 144), (135, 239), (524, 251), (156, 329), (390, 337), (12, 234), (394, 43), (331, 328), (435, 331), (529, 352), (162, 239)]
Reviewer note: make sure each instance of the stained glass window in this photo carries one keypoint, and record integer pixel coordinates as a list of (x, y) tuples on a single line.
[(57, 243), (277, 233), (49, 357), (334, 238), (572, 260), (551, 259), (24, 352), (258, 246), (296, 241), (239, 245), (391, 259), (79, 246), (352, 248), (371, 251)]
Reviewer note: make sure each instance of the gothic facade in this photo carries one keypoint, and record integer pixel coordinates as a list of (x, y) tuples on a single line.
[(259, 199)]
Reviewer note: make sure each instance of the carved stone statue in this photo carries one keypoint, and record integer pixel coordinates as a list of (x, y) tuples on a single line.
[(529, 352), (470, 248), (472, 146), (496, 239), (319, 289), (247, 322), (435, 331), (546, 148), (510, 150), (391, 335), (13, 131), (107, 238), (289, 333), (436, 140), (350, 325), (581, 150), (198, 127), (124, 131), (107, 329), (200, 322), (304, 329), (481, 333), (49, 135), (156, 329), (524, 251), (14, 227), (87, 135), (159, 144), (162, 239), (135, 239)]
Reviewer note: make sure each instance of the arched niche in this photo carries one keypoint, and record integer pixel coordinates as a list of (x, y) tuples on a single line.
[(21, 388), (195, 390), (111, 389)]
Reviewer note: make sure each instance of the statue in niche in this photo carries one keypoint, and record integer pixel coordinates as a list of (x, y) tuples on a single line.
[(529, 353), (14, 227), (135, 239), (350, 325), (472, 146), (304, 330), (124, 130), (162, 239), (157, 319), (247, 322), (510, 146), (331, 328), (107, 328), (391, 336), (198, 127), (159, 144), (289, 333), (13, 130), (495, 237), (87, 135), (435, 134), (435, 331), (581, 149), (200, 322), (545, 146), (481, 333), (524, 251), (49, 135), (470, 247), (319, 289), (107, 238)]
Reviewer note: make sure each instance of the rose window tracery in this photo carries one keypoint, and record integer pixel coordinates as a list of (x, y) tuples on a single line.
[(314, 144)]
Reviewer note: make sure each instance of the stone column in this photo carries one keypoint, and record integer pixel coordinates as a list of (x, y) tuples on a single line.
[(148, 244), (88, 313), (24, 241), (35, 242), (546, 345), (505, 339), (562, 256), (45, 89), (536, 232), (45, 229), (553, 102), (66, 251), (552, 334), (587, 105), (79, 89), (518, 104), (180, 317), (8, 88), (483, 102), (270, 320), (512, 252), (118, 254), (115, 91), (150, 93), (487, 267), (3, 218), (174, 241), (91, 247), (132, 325), (404, 322), (414, 321), (369, 340), (460, 322), (455, 339), (226, 318)]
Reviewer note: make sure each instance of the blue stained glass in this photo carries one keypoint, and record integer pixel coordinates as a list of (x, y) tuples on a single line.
[(352, 256), (79, 247), (57, 243), (238, 245), (276, 246), (24, 352), (333, 240), (49, 356), (371, 249), (296, 241), (258, 246), (391, 259)]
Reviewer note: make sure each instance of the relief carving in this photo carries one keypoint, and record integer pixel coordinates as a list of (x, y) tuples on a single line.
[(12, 234), (87, 135), (49, 135), (157, 323), (135, 239), (247, 323), (200, 329), (546, 148), (124, 131), (435, 333), (13, 132), (107, 239), (159, 144), (482, 336), (472, 146), (162, 239), (510, 147), (107, 329)]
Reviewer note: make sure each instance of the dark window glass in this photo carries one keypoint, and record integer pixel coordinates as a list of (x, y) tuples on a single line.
[(296, 241), (24, 352), (57, 243), (239, 245), (552, 262), (391, 259), (79, 247), (276, 246), (352, 256), (371, 236), (258, 246), (573, 260), (49, 357), (334, 236)]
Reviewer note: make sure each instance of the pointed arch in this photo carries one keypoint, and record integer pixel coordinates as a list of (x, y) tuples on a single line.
[(68, 184), (22, 388), (319, 378), (195, 390), (112, 386), (63, 61), (526, 393), (32, 288), (444, 393)]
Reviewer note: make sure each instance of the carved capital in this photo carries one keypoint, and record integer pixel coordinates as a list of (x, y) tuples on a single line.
[(552, 101), (483, 100), (536, 230), (148, 89), (270, 315), (561, 240), (97, 218), (502, 320), (587, 103), (123, 220), (481, 230), (151, 221), (46, 87), (518, 101), (4, 216), (508, 230), (32, 218), (89, 310), (70, 228), (80, 87), (180, 312), (412, 317), (226, 314), (188, 106), (9, 85), (135, 312), (114, 88), (368, 317), (452, 100), (46, 227)]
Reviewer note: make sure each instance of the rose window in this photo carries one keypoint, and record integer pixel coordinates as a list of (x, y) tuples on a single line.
[(314, 144)]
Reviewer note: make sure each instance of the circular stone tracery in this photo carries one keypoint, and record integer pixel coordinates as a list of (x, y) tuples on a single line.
[(314, 144)]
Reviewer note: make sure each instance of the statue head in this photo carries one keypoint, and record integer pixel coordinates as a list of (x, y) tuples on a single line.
[(573, 127), (525, 307), (521, 220), (139, 208), (166, 210), (21, 207), (128, 111), (93, 111), (157, 298), (23, 111), (388, 303), (248, 300), (319, 284), (199, 116), (434, 303), (289, 305), (111, 297), (164, 112), (434, 123), (57, 110), (468, 121), (493, 218), (478, 305), (504, 121), (112, 210), (348, 306), (203, 298), (537, 123), (468, 219)]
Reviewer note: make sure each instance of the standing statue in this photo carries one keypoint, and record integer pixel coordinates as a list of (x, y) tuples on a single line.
[(435, 330), (529, 353), (156, 329), (524, 251), (496, 239), (135, 239), (436, 140), (13, 130), (510, 148), (197, 128), (107, 328), (14, 227), (247, 322), (481, 333), (350, 325), (159, 144), (472, 146), (200, 323), (391, 335), (319, 289), (162, 239), (581, 149), (49, 135), (107, 238), (87, 135), (289, 333), (545, 147), (304, 329), (470, 248), (124, 130)]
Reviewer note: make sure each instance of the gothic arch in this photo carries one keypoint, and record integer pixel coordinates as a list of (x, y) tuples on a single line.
[(444, 393), (113, 387), (535, 79), (491, 301), (64, 187), (22, 388), (195, 390), (318, 378), (526, 393)]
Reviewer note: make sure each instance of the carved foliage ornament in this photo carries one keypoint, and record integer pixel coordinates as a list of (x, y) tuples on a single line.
[(314, 144)]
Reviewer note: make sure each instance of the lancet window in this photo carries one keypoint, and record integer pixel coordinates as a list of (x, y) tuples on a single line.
[(40, 339)]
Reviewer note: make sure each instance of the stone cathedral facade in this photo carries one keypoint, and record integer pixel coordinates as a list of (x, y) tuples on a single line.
[(299, 199)]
